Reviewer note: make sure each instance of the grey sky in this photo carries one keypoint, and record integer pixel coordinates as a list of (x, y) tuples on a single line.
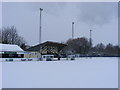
[(57, 17), (0, 15)]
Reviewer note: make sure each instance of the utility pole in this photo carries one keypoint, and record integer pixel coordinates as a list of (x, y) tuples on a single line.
[(72, 30), (90, 38), (40, 32)]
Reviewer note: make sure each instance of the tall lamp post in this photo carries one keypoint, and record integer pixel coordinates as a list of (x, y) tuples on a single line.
[(72, 30), (90, 38), (72, 33), (40, 33)]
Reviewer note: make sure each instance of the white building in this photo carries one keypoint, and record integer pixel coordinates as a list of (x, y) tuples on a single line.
[(9, 52), (10, 47)]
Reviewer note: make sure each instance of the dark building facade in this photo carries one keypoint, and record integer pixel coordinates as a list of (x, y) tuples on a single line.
[(48, 48)]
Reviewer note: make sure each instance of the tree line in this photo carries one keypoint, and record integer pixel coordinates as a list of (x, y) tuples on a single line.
[(81, 45), (9, 35)]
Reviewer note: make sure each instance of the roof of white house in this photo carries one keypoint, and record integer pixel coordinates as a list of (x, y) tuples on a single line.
[(10, 47)]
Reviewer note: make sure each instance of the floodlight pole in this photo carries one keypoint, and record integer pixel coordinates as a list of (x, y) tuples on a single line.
[(72, 30), (90, 38), (40, 33)]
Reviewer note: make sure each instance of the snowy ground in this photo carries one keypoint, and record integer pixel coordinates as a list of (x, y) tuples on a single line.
[(0, 75), (81, 73)]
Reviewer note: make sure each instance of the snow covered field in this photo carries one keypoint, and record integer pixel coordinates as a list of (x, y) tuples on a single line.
[(81, 73)]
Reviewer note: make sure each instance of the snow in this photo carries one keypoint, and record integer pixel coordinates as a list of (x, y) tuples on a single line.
[(80, 73), (0, 75), (9, 47)]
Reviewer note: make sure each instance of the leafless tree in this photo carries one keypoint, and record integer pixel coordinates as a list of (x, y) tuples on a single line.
[(78, 45), (10, 36)]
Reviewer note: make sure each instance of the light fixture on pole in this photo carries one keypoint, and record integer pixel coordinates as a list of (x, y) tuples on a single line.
[(40, 33)]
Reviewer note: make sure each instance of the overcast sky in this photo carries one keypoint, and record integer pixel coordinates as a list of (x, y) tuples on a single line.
[(100, 17), (0, 14)]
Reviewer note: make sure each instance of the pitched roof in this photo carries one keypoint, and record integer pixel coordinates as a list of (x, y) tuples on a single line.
[(10, 47), (48, 43)]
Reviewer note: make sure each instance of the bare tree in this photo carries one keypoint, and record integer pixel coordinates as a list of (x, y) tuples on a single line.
[(99, 49), (78, 45), (10, 36)]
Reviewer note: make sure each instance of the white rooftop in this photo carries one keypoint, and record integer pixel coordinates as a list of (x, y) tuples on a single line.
[(10, 47)]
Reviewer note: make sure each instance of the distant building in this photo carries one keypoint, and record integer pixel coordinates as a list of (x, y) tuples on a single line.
[(10, 51), (10, 47), (48, 48)]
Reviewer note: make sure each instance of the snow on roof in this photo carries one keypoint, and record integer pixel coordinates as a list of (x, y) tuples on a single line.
[(10, 47)]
